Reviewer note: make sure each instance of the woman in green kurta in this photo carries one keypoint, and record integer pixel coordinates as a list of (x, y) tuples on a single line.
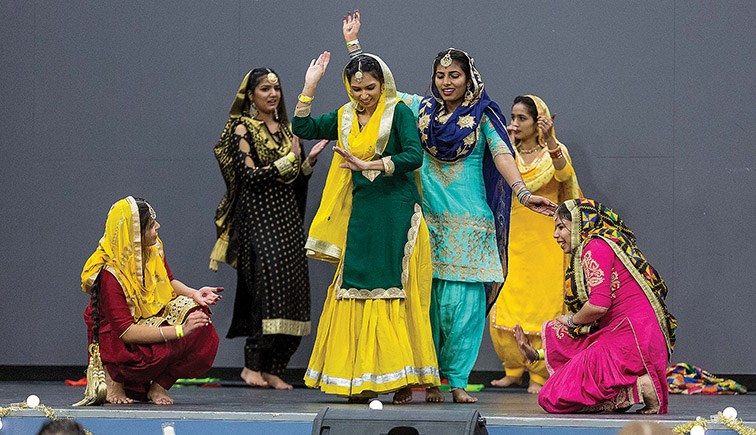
[(374, 334)]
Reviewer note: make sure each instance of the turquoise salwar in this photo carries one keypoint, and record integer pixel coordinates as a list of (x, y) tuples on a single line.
[(457, 317)]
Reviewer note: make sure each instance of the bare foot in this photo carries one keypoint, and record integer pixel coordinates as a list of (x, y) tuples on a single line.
[(403, 396), (434, 395), (460, 396), (506, 381), (276, 382), (649, 395), (534, 387), (254, 379), (524, 345), (158, 395), (116, 393)]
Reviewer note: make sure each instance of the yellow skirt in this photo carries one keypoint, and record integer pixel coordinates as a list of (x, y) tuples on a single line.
[(366, 347)]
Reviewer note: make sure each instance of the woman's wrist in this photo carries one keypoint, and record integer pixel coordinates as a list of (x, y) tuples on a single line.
[(570, 322)]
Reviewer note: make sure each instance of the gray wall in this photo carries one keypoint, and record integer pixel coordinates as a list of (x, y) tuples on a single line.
[(99, 100)]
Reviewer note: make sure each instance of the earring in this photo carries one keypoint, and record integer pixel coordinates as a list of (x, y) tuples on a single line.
[(468, 95), (358, 107), (275, 116), (252, 110)]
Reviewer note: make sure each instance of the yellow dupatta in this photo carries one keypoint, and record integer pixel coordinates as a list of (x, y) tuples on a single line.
[(327, 237), (145, 283), (538, 175)]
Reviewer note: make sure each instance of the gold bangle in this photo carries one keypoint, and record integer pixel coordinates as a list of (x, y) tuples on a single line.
[(160, 328), (304, 99), (179, 331), (353, 42), (541, 354)]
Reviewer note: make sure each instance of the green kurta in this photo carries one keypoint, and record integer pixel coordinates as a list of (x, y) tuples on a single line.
[(382, 209)]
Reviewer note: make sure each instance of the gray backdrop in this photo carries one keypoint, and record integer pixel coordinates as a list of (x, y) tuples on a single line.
[(104, 99)]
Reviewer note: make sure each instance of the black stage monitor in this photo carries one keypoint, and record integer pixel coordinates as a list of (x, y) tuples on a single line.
[(347, 421)]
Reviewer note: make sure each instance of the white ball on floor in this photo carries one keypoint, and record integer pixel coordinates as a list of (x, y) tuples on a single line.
[(697, 430), (375, 404), (32, 401), (730, 412)]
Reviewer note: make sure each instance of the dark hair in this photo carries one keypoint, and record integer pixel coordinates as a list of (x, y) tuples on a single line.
[(254, 79), (64, 426), (456, 55), (529, 103), (366, 64), (563, 213), (144, 214)]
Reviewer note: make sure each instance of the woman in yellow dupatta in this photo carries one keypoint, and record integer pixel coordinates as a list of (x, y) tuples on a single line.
[(374, 333), (146, 328), (533, 292)]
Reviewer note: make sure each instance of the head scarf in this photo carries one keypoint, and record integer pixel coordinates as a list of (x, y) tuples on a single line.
[(327, 236), (226, 248), (542, 172), (144, 280), (591, 219), (456, 139)]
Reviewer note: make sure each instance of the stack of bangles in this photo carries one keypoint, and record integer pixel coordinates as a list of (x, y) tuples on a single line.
[(555, 154), (304, 99), (179, 332), (571, 323), (523, 194)]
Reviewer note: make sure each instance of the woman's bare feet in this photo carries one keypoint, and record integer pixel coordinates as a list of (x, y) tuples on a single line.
[(158, 395), (253, 378), (506, 381), (524, 345), (434, 395), (276, 382), (649, 395), (403, 396), (116, 393), (534, 387), (459, 395)]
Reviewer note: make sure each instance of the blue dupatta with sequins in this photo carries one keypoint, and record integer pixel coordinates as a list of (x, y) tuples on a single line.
[(455, 139)]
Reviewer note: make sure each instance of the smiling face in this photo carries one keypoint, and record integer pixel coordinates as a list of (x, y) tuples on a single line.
[(523, 122), (266, 96), (451, 82), (563, 233), (367, 91)]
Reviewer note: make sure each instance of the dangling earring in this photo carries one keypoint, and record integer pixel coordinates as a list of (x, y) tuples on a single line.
[(275, 116), (468, 95), (252, 110), (359, 108)]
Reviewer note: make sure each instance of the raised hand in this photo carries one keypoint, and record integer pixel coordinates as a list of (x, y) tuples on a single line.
[(316, 150), (295, 147), (545, 124), (317, 69), (350, 25)]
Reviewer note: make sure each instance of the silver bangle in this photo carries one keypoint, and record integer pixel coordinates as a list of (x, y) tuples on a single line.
[(571, 323), (160, 328)]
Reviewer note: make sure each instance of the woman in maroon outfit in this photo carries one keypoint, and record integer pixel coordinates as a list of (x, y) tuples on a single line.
[(151, 328)]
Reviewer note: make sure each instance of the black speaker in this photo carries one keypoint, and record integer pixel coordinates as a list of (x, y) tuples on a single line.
[(345, 421)]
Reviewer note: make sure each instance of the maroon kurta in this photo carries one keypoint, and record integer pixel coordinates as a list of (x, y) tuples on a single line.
[(136, 365)]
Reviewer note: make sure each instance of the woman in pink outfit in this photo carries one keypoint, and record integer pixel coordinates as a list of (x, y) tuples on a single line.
[(610, 351)]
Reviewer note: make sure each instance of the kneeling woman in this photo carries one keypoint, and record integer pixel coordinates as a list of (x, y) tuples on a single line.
[(374, 334), (611, 351), (151, 329)]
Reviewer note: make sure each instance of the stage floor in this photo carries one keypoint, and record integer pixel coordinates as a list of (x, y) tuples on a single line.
[(502, 408)]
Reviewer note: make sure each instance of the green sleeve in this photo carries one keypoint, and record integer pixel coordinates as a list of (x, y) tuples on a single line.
[(411, 155), (320, 127)]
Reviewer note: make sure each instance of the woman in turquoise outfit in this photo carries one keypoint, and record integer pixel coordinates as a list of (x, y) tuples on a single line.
[(468, 176), (374, 334)]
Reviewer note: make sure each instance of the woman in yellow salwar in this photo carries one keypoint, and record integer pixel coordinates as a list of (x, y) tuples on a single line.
[(534, 290), (374, 334)]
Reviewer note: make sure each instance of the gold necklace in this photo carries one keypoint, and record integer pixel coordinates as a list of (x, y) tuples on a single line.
[(530, 151)]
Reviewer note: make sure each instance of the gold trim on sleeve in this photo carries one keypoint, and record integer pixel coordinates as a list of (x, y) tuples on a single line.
[(388, 165)]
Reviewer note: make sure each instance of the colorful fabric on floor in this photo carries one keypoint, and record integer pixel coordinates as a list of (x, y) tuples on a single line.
[(684, 378)]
